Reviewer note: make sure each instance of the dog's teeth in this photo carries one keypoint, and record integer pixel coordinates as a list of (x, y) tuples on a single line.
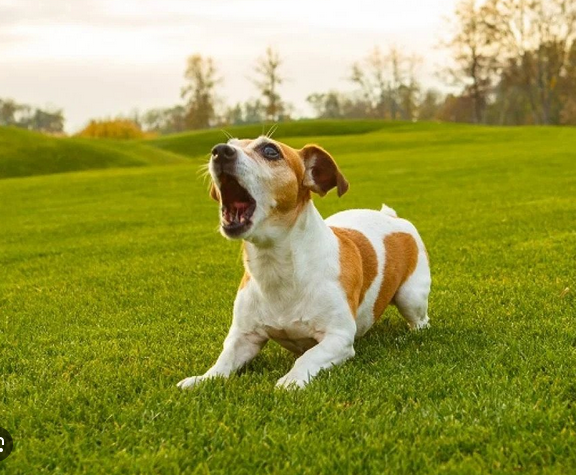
[(242, 219)]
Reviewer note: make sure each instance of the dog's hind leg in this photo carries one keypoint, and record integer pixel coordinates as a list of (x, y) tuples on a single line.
[(412, 296)]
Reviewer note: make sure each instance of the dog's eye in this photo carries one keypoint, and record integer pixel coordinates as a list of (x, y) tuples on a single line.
[(270, 152)]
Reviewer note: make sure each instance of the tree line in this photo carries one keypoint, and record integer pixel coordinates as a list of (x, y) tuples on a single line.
[(202, 106), (32, 118), (513, 62)]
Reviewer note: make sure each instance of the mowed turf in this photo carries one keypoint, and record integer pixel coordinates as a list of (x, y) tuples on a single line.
[(24, 153), (114, 285)]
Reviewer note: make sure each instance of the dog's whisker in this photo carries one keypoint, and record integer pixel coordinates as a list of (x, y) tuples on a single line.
[(203, 171), (203, 168)]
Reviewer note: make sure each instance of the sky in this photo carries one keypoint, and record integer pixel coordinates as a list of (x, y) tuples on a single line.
[(101, 58)]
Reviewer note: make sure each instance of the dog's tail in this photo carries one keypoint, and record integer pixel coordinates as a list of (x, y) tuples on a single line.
[(388, 211)]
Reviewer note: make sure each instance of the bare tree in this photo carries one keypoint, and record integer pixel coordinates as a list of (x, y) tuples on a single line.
[(199, 91), (388, 84), (396, 82), (268, 81), (474, 45), (408, 89), (370, 76)]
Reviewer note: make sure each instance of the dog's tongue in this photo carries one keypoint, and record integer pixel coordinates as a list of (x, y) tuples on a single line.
[(241, 206)]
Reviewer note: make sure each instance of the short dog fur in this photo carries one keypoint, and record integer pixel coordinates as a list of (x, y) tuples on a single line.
[(310, 284)]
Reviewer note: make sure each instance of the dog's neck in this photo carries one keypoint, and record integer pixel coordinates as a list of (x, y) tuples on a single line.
[(284, 260)]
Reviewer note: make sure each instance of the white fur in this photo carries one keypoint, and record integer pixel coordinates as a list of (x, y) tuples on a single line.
[(294, 295)]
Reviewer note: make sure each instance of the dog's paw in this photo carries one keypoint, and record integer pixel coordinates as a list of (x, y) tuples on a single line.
[(190, 382), (291, 383), (422, 324)]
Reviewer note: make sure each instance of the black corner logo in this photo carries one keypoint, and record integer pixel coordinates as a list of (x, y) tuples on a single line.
[(6, 443)]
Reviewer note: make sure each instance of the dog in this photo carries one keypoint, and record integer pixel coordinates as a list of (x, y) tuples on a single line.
[(310, 284)]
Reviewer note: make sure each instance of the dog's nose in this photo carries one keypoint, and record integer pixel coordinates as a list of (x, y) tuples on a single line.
[(224, 152)]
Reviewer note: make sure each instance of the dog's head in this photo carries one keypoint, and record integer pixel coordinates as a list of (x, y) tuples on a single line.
[(262, 185)]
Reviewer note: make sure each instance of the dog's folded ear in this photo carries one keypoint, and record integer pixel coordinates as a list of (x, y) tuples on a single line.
[(214, 193), (322, 174)]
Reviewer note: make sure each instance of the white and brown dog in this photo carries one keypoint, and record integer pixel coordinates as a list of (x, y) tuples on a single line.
[(312, 285)]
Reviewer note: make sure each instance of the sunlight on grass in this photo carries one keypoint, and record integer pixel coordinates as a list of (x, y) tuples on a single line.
[(114, 285)]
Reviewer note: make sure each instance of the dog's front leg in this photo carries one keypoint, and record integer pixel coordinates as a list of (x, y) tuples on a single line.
[(332, 350), (239, 349)]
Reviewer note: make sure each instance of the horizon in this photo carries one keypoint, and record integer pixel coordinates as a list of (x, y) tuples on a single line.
[(103, 59)]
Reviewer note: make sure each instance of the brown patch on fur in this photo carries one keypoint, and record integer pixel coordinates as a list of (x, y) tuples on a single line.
[(401, 259), (358, 265), (290, 195)]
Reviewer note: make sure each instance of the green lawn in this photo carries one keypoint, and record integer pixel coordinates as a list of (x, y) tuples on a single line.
[(24, 153), (114, 285)]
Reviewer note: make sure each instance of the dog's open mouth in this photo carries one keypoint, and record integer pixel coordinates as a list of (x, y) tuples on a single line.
[(237, 206)]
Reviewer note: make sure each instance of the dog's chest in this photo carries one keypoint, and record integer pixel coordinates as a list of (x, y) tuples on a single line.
[(292, 319), (297, 338)]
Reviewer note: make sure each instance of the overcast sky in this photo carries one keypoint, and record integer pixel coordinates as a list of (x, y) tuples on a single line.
[(98, 58)]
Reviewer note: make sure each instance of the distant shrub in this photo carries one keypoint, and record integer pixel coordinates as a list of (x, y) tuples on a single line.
[(122, 129)]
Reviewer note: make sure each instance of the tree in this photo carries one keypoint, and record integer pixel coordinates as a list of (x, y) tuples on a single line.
[(474, 45), (199, 92), (408, 88), (326, 105), (430, 105), (165, 121), (456, 109), (370, 76), (388, 84), (8, 110), (268, 81), (510, 104), (250, 112), (538, 37), (567, 90), (46, 121), (31, 118)]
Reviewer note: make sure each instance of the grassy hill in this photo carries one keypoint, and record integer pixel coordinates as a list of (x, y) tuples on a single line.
[(24, 153), (114, 285), (199, 143)]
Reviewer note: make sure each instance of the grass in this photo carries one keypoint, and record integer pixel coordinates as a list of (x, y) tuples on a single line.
[(199, 143), (24, 153), (114, 285)]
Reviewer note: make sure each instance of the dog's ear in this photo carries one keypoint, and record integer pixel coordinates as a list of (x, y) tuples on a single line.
[(214, 193), (322, 174)]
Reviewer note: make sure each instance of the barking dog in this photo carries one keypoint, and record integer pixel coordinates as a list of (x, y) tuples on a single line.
[(310, 284)]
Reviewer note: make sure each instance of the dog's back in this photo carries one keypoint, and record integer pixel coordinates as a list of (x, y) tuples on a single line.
[(393, 264)]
